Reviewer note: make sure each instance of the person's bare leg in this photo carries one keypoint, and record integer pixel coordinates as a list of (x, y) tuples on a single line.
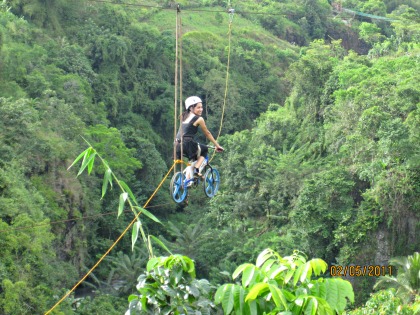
[(199, 161)]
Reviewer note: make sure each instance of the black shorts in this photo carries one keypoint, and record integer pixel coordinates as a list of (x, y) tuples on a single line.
[(190, 150)]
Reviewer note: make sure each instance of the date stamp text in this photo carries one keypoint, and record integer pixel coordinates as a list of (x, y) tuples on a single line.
[(360, 271)]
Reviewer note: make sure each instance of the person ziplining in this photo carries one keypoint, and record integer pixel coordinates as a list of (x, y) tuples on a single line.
[(197, 154), (191, 119)]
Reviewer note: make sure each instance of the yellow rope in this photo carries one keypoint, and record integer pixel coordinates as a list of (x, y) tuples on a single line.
[(176, 83), (226, 87), (115, 243), (180, 89)]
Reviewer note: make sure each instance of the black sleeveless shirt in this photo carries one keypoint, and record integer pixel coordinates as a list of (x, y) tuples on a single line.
[(188, 129)]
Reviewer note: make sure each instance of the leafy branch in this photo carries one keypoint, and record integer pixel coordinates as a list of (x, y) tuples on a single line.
[(126, 197)]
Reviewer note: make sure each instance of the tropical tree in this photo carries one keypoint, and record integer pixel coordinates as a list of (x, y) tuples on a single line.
[(284, 285), (169, 286), (407, 281)]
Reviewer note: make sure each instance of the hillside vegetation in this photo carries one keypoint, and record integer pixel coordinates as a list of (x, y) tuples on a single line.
[(321, 130)]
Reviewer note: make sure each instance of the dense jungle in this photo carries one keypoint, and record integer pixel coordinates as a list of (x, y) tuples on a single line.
[(317, 104)]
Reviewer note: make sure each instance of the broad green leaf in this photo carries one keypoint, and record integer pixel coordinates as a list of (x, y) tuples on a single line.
[(133, 297), (228, 299), (273, 273), (152, 263), (148, 214), (135, 233), (278, 297), (238, 270), (267, 265), (127, 189), (257, 290), (107, 179), (253, 309), (263, 256), (160, 243), (123, 198), (290, 297), (318, 289), (310, 306), (219, 293), (83, 154), (289, 275), (238, 299), (318, 266), (248, 275), (306, 272), (337, 293), (297, 274), (324, 307)]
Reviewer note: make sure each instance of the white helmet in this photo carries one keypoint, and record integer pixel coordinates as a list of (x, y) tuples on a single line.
[(192, 100)]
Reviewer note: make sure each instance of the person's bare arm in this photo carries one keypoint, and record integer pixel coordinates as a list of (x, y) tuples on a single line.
[(200, 122)]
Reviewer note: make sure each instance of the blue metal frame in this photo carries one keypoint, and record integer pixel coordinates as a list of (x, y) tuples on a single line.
[(179, 183)]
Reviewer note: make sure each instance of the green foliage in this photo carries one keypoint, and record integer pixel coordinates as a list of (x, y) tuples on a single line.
[(284, 284), (369, 32), (323, 204), (29, 269), (109, 141), (169, 286), (100, 304), (385, 302), (407, 281), (340, 157)]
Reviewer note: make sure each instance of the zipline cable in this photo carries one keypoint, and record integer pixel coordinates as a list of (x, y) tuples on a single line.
[(114, 244), (88, 217), (372, 16)]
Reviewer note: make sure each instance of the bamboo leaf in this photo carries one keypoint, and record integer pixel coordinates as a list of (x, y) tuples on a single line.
[(78, 158), (135, 233), (148, 214), (160, 243), (107, 180), (91, 162), (86, 159), (123, 198), (127, 189)]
